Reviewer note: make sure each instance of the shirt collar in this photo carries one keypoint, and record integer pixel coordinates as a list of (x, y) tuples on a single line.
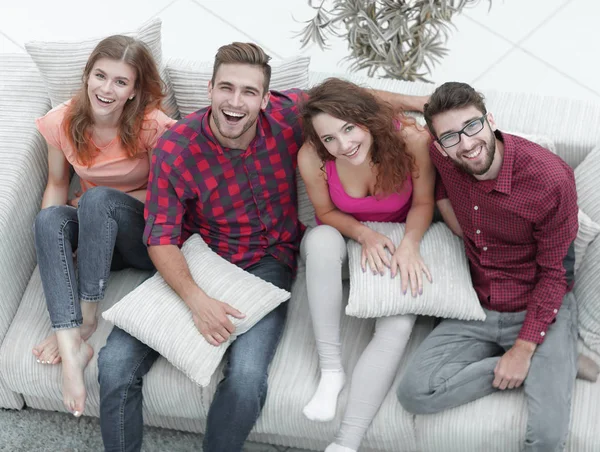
[(504, 180), (208, 133)]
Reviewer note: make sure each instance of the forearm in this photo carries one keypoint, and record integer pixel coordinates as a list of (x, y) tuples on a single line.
[(346, 224), (547, 299), (418, 220), (171, 264), (402, 102), (449, 216), (55, 195)]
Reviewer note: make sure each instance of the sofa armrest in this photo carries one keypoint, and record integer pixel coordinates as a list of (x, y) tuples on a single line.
[(23, 173)]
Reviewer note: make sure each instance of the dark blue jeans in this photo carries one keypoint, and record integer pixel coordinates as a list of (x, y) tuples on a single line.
[(106, 230), (240, 395)]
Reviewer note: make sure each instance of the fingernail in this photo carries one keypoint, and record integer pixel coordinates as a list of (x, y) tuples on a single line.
[(421, 291)]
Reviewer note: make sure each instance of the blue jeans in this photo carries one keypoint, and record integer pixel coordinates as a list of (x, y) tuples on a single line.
[(455, 365), (106, 230), (240, 395)]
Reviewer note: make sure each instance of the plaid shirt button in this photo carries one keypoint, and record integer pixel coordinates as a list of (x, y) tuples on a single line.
[(476, 207), (556, 311), (485, 248), (543, 333), (478, 231)]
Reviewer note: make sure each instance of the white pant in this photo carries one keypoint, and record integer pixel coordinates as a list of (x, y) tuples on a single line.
[(323, 249)]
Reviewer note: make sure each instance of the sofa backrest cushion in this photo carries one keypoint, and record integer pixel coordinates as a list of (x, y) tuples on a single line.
[(61, 63)]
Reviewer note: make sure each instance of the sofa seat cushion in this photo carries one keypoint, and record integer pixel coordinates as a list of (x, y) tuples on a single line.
[(497, 423), (169, 394)]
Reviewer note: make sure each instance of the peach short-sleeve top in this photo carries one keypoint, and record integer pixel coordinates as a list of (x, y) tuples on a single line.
[(112, 167)]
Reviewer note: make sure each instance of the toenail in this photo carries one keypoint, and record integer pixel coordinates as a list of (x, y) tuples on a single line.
[(76, 413), (38, 360)]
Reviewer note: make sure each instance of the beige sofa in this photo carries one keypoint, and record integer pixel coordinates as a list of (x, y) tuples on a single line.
[(494, 423)]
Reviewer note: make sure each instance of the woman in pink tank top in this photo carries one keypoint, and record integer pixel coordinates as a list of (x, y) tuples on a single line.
[(105, 133), (360, 162)]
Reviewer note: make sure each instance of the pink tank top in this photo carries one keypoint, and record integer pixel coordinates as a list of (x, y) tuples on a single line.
[(393, 208)]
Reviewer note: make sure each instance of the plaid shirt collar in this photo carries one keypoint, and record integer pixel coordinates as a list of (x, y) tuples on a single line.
[(257, 141)]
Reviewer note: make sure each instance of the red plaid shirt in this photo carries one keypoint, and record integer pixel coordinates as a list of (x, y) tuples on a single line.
[(242, 202), (517, 230)]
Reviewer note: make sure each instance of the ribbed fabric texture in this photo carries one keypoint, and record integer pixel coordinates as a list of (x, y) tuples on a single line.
[(31, 325), (157, 316), (587, 283), (62, 63), (588, 231), (23, 169), (190, 80), (450, 296)]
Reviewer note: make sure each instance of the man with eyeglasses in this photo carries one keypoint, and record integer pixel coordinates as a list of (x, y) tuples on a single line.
[(515, 206)]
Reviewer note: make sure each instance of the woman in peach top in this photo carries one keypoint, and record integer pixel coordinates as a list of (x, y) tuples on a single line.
[(106, 134)]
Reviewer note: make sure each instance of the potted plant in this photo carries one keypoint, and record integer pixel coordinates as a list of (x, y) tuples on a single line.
[(400, 39)]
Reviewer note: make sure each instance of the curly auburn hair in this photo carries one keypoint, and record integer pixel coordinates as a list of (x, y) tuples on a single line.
[(349, 102), (149, 94)]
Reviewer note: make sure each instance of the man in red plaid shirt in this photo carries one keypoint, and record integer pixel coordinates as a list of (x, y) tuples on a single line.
[(515, 206), (226, 172)]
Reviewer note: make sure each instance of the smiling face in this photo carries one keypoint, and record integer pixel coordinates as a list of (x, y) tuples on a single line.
[(236, 98), (343, 140), (475, 154), (110, 85)]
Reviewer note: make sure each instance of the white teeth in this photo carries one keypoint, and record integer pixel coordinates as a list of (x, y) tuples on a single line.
[(351, 153), (474, 153), (104, 99), (234, 114)]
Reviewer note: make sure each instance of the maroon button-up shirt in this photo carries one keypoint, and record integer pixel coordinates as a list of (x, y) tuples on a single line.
[(241, 201), (517, 230)]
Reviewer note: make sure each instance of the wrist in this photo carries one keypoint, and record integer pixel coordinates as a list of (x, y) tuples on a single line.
[(525, 346)]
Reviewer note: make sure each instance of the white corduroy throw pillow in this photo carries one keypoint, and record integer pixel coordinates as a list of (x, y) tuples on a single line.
[(61, 63), (588, 231), (190, 80), (157, 316), (451, 295)]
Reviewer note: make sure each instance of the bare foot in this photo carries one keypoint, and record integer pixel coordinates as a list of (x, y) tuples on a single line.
[(46, 351), (75, 360)]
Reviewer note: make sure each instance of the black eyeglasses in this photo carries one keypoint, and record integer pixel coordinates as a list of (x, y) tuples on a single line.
[(473, 128)]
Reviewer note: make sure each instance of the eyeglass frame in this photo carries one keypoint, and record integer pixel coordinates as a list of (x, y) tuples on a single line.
[(462, 131)]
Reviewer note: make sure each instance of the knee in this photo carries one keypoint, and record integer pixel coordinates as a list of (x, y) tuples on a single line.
[(412, 395), (113, 370), (96, 197), (49, 220), (324, 243), (247, 380)]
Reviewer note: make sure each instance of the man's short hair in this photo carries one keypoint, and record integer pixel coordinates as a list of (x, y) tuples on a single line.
[(451, 96), (243, 53)]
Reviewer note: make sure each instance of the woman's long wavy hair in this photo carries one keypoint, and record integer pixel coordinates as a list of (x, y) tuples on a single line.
[(349, 102), (148, 96)]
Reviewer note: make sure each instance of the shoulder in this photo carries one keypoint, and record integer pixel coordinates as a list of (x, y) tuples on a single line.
[(56, 116), (157, 115), (285, 100), (538, 162), (308, 157), (177, 140)]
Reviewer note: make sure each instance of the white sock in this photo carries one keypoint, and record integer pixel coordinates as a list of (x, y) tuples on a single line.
[(333, 447), (323, 404)]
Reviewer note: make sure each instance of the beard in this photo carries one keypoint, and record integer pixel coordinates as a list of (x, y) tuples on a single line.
[(489, 148), (250, 122)]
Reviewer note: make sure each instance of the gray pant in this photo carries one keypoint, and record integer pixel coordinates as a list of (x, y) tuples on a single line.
[(455, 365), (324, 251)]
